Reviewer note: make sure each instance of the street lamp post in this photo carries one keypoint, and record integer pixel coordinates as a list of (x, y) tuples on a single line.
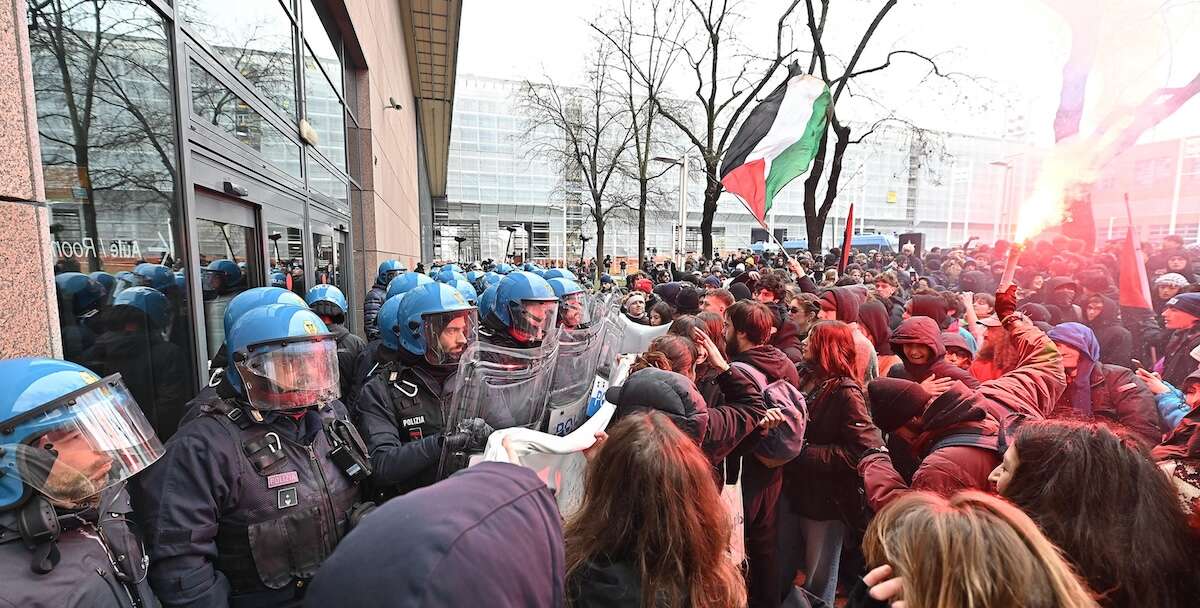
[(681, 245), (508, 248), (460, 240)]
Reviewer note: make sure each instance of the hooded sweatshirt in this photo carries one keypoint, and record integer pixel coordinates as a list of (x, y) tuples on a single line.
[(1057, 301), (1116, 342), (925, 331), (1104, 393), (847, 301), (489, 535), (873, 317)]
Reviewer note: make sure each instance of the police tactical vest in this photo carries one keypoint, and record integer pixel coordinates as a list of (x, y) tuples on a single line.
[(419, 411), (293, 507)]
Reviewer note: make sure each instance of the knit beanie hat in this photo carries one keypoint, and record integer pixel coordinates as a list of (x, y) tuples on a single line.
[(1173, 279), (1187, 303)]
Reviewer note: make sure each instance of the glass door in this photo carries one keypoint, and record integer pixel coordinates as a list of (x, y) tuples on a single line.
[(230, 258)]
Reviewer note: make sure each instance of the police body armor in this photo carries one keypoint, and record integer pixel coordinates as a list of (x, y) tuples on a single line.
[(419, 411), (290, 518)]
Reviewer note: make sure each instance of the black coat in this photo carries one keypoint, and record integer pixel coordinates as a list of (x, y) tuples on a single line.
[(156, 372), (371, 305), (84, 576), (1119, 397)]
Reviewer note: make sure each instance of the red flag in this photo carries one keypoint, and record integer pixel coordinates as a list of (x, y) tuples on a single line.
[(847, 240), (1135, 287)]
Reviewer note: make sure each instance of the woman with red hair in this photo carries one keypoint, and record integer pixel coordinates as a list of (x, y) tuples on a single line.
[(822, 485)]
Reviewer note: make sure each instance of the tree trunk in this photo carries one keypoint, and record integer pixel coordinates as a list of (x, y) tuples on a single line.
[(643, 198), (599, 249), (712, 192), (813, 223)]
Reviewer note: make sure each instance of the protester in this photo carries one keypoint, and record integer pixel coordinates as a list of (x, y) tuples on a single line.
[(1100, 497), (824, 487), (1116, 342), (842, 304), (918, 343), (873, 322), (958, 352), (1101, 392), (716, 300), (661, 314), (1179, 453), (460, 556), (968, 551), (1181, 317), (630, 543), (634, 308)]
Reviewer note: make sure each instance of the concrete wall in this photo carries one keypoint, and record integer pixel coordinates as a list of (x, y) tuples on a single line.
[(28, 310), (390, 216)]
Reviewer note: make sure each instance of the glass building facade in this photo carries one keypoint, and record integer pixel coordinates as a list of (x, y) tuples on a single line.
[(190, 150)]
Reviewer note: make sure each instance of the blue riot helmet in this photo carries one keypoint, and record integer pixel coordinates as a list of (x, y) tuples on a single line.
[(531, 267), (279, 279), (81, 293), (467, 290), (180, 280), (437, 322), (220, 276), (152, 302), (388, 270), (451, 268), (154, 275), (559, 274), (254, 298), (282, 357), (327, 293), (503, 268), (526, 307), (388, 321), (474, 276), (125, 280), (67, 434), (491, 278), (486, 302), (449, 276), (107, 281), (573, 305), (406, 283)]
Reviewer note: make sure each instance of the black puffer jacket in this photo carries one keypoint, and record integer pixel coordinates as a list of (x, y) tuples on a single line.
[(371, 305)]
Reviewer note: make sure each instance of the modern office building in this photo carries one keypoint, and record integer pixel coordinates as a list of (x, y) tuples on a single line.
[(302, 140), (948, 186)]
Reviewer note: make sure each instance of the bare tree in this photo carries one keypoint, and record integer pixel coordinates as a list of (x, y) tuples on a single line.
[(585, 131), (644, 62), (728, 80)]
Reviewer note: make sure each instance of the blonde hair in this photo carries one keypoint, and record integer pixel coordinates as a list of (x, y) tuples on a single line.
[(971, 551)]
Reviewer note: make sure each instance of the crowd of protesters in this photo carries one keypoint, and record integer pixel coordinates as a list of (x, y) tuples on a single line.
[(964, 445)]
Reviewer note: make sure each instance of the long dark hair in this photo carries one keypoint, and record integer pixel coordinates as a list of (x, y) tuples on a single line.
[(650, 501), (1101, 498)]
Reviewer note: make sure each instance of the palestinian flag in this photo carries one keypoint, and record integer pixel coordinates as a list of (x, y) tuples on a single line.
[(777, 142)]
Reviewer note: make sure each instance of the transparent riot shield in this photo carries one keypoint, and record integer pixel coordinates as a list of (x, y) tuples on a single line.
[(574, 374), (506, 387)]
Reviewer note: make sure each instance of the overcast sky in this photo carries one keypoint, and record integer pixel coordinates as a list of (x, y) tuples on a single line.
[(1019, 45)]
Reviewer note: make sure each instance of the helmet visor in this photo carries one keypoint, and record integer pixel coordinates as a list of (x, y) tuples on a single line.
[(448, 334), (532, 320), (103, 439), (576, 310), (290, 374), (211, 280)]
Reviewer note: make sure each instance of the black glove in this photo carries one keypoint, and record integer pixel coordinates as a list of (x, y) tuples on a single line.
[(1006, 302), (472, 436)]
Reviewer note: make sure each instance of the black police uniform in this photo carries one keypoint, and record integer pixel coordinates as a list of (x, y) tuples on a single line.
[(400, 413), (244, 506), (349, 348), (100, 563)]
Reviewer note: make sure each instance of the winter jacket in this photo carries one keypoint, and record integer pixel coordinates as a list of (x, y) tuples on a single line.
[(1172, 406), (1116, 342), (1179, 457), (735, 417), (371, 305), (925, 331), (1067, 311), (787, 338), (349, 347), (957, 450), (603, 583), (1104, 392), (895, 310), (823, 482), (1177, 361), (489, 535), (1033, 387)]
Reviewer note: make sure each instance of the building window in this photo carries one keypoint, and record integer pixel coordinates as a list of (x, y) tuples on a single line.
[(103, 87), (217, 105)]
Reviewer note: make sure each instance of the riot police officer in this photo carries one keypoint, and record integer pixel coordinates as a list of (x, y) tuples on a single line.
[(523, 314), (401, 408), (377, 350), (80, 302), (467, 290), (573, 304), (154, 370), (330, 304), (68, 442), (388, 270), (252, 495), (219, 281)]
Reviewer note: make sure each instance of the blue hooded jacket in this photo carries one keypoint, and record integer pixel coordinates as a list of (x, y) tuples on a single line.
[(1083, 339)]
